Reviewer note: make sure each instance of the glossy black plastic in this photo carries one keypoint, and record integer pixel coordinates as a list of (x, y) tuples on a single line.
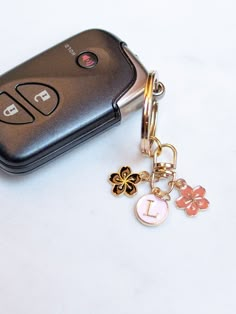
[(87, 99)]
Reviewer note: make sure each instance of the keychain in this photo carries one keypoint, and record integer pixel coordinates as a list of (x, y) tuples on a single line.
[(152, 209)]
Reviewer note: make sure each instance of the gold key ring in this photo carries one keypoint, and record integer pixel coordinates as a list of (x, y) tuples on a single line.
[(153, 90)]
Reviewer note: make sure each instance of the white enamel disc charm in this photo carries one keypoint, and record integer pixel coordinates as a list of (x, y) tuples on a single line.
[(151, 210)]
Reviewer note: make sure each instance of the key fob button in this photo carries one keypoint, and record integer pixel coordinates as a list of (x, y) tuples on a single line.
[(42, 97), (87, 60), (11, 112)]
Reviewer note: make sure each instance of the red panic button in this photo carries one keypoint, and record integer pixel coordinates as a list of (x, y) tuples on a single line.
[(87, 60)]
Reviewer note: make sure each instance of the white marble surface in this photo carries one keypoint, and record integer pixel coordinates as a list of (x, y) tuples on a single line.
[(67, 246)]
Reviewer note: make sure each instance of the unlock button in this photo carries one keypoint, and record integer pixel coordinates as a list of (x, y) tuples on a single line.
[(42, 97)]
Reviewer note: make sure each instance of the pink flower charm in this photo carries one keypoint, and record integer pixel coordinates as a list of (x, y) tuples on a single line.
[(192, 200)]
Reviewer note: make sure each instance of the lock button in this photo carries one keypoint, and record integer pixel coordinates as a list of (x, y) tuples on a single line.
[(42, 97), (11, 112)]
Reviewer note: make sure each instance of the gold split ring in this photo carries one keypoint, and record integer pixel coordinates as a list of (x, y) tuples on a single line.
[(153, 90)]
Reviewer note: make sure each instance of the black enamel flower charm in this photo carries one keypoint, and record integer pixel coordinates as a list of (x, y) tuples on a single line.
[(124, 182)]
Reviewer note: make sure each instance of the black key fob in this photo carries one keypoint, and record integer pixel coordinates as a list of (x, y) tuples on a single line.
[(64, 96)]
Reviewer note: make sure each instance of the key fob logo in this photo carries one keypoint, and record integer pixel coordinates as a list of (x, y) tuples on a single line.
[(42, 96), (10, 111)]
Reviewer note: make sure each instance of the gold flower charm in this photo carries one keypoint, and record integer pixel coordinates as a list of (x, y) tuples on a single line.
[(124, 182)]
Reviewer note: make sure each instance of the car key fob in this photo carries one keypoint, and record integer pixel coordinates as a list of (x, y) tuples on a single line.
[(64, 96)]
